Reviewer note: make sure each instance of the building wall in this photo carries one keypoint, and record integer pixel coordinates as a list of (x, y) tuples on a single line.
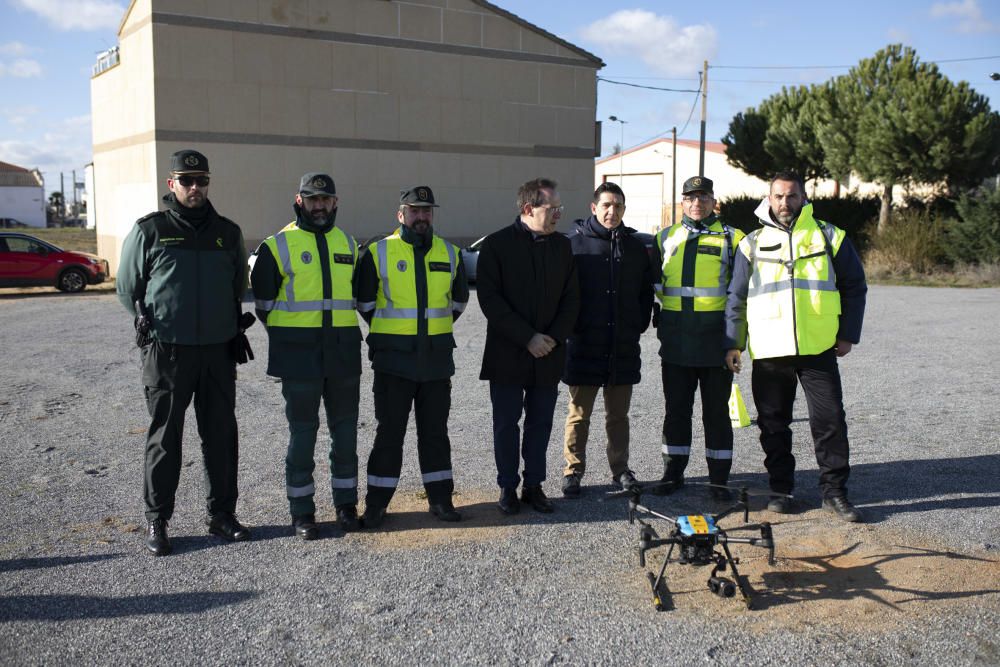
[(23, 203), (382, 95), (123, 121)]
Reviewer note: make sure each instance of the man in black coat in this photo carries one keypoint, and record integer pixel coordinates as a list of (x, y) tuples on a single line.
[(528, 290), (616, 290)]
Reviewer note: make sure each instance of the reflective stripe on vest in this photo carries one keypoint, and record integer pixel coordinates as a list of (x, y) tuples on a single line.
[(793, 305), (395, 305), (711, 274)]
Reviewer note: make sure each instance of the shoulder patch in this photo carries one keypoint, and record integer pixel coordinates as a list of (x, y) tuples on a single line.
[(149, 216)]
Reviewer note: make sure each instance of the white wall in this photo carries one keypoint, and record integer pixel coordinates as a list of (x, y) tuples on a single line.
[(26, 204)]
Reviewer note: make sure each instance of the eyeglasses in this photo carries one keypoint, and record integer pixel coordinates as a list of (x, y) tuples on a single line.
[(552, 209), (188, 181), (693, 198)]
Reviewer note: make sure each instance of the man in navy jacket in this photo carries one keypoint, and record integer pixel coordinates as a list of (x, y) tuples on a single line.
[(603, 352)]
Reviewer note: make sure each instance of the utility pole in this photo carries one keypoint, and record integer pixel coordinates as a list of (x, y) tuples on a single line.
[(621, 148), (704, 109), (673, 179)]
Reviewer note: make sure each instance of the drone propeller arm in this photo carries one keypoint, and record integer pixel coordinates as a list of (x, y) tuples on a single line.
[(649, 512)]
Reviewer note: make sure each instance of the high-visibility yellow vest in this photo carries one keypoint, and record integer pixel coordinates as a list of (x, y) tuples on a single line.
[(793, 305), (396, 300), (713, 265), (300, 301)]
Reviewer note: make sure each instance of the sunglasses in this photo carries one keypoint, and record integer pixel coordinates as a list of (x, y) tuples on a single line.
[(188, 181)]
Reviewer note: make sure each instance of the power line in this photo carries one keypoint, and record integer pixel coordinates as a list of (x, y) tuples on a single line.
[(934, 62), (636, 85)]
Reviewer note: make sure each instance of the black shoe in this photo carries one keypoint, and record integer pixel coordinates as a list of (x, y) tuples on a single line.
[(667, 485), (445, 511), (227, 527), (508, 503), (625, 481), (571, 485), (781, 505), (347, 518), (156, 538), (373, 517), (305, 526), (720, 495), (534, 496), (843, 508)]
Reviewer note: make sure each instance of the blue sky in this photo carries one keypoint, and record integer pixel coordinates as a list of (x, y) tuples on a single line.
[(47, 48)]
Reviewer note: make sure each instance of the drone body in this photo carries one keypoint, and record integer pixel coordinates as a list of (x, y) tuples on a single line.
[(696, 536)]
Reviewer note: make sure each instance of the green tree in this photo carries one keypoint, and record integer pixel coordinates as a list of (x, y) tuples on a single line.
[(778, 135), (745, 144), (896, 120), (791, 135)]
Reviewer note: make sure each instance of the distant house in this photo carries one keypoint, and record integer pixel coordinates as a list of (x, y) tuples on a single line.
[(22, 194), (645, 173)]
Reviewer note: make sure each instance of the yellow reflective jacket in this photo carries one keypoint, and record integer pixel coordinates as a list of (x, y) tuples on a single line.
[(793, 305), (396, 309), (300, 302)]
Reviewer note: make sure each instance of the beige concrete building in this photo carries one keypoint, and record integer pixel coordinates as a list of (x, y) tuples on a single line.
[(459, 95)]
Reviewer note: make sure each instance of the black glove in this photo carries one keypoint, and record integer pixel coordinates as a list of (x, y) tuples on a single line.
[(241, 344), (143, 325)]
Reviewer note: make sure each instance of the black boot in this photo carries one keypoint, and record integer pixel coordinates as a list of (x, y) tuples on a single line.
[(156, 538)]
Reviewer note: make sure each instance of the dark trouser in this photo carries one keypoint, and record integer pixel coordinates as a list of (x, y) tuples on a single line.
[(679, 385), (173, 374), (774, 384), (538, 405), (432, 402), (340, 399)]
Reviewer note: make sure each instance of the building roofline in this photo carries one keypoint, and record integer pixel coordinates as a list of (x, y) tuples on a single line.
[(710, 147), (541, 31), (128, 11)]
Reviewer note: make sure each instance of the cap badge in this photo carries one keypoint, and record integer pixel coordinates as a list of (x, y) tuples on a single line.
[(422, 194), (319, 183), (696, 181), (401, 265), (191, 160), (307, 257)]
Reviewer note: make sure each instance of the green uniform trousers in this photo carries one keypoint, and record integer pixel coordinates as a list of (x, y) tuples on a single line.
[(340, 399), (173, 375)]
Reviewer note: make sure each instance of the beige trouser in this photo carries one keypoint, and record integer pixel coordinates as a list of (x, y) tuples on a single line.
[(581, 406)]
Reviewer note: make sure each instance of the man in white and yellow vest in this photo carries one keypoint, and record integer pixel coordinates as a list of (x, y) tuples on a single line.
[(303, 284), (797, 302), (695, 258), (411, 288)]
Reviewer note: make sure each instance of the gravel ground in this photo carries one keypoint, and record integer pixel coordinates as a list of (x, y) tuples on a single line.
[(917, 584)]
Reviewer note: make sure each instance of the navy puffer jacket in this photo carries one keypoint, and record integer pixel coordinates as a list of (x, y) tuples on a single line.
[(616, 301)]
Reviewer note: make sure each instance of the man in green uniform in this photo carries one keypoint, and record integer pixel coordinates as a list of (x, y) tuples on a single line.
[(303, 281), (695, 258), (411, 288), (185, 267)]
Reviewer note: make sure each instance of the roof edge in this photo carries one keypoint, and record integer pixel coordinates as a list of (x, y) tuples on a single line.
[(128, 11), (541, 31), (710, 146)]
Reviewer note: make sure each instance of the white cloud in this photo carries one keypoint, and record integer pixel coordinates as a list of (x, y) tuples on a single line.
[(20, 69), (898, 35), (967, 12), (76, 14), (19, 116), (64, 147), (657, 40), (13, 49)]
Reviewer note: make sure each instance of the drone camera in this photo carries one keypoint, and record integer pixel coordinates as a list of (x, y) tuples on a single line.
[(722, 587)]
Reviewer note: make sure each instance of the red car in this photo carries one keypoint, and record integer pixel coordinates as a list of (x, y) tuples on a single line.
[(29, 262)]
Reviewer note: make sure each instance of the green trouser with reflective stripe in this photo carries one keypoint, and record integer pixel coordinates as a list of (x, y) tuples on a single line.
[(340, 399)]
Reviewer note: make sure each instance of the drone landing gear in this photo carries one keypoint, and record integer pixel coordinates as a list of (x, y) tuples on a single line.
[(721, 586)]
